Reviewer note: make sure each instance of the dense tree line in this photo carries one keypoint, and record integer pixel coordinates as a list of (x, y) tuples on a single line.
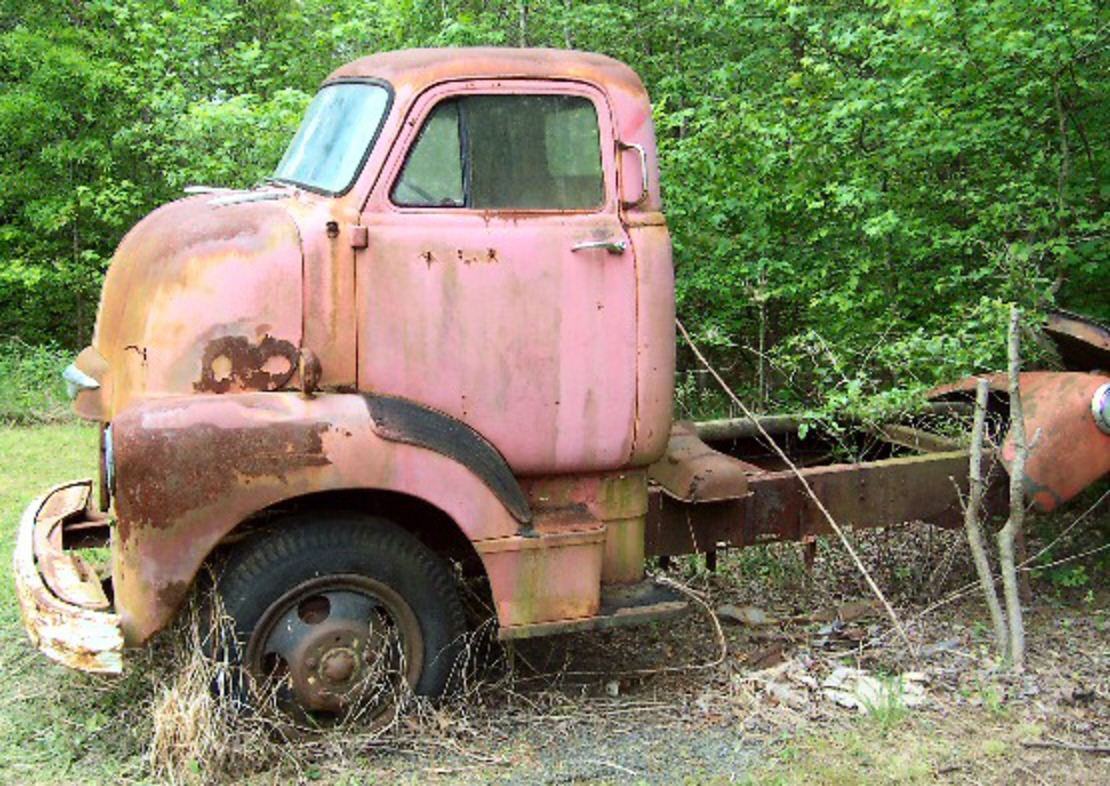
[(855, 188)]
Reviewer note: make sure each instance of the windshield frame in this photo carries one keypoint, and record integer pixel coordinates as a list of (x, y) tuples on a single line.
[(389, 95)]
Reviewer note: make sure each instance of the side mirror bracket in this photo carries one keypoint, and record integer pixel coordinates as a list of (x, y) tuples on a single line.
[(625, 203)]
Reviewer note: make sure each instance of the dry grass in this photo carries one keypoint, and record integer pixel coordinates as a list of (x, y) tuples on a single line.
[(675, 687), (202, 733)]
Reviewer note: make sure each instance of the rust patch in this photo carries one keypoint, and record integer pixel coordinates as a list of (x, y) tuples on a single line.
[(172, 593), (693, 472), (81, 638), (234, 363), (488, 255), (166, 472), (873, 494)]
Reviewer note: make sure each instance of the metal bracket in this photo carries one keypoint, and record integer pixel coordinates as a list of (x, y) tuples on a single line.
[(643, 173)]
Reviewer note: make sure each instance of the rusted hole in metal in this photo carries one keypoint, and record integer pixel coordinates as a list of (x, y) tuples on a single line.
[(232, 362), (275, 365), (314, 610), (221, 368)]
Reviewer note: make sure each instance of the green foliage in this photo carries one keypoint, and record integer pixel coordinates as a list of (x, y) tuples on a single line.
[(1075, 551), (855, 189), (886, 708), (33, 390)]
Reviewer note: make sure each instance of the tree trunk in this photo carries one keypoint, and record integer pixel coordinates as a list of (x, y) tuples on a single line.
[(972, 523), (1015, 523)]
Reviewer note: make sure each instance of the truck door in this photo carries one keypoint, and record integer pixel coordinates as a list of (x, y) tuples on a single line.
[(499, 285)]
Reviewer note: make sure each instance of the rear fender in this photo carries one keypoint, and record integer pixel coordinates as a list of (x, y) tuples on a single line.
[(190, 469), (1069, 452)]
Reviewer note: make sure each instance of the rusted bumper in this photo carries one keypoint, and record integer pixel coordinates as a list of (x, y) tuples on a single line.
[(67, 630)]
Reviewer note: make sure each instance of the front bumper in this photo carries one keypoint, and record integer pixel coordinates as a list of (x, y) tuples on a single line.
[(64, 608)]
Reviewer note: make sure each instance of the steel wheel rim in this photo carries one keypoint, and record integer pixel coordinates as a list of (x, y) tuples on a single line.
[(336, 648)]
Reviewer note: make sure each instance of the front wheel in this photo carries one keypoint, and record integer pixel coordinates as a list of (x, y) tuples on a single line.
[(338, 617)]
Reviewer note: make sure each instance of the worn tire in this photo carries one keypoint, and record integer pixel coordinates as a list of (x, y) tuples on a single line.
[(264, 571)]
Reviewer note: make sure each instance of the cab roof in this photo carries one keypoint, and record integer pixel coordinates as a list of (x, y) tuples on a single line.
[(419, 68)]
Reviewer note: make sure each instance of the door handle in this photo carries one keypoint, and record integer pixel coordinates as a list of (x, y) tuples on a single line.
[(612, 246)]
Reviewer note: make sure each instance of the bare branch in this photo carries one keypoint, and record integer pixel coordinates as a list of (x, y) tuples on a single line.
[(1016, 521), (972, 522)]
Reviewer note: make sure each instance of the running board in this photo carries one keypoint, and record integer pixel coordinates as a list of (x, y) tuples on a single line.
[(630, 604)]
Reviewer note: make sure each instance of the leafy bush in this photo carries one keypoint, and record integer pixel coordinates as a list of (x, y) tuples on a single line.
[(32, 390)]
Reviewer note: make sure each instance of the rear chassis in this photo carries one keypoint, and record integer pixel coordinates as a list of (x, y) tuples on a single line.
[(900, 475)]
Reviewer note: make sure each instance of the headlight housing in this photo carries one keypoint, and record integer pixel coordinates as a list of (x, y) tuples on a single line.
[(1100, 407), (109, 461), (77, 380)]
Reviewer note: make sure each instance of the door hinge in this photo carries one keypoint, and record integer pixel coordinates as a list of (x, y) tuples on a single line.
[(360, 236)]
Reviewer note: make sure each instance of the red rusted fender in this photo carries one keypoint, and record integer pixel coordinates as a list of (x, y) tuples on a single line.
[(189, 469), (1069, 452)]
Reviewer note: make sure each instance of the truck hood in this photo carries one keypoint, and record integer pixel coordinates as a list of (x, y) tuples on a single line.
[(203, 295)]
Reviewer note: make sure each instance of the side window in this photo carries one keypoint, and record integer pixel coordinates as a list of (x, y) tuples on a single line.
[(506, 152), (433, 174)]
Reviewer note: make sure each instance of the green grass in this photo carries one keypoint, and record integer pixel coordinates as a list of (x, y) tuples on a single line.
[(33, 390), (862, 754), (56, 726)]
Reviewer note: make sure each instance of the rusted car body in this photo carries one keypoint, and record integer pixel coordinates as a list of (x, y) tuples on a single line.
[(490, 367)]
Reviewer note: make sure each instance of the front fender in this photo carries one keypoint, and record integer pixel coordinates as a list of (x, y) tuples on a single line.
[(189, 469)]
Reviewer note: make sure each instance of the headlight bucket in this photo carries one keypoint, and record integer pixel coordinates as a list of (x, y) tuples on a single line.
[(77, 380), (1100, 407)]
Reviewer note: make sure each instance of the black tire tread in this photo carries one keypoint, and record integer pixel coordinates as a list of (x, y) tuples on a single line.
[(252, 564)]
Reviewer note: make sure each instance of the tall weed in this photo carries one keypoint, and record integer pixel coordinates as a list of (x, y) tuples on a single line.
[(31, 385)]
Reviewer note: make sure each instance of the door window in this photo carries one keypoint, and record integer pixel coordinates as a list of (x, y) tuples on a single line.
[(506, 152)]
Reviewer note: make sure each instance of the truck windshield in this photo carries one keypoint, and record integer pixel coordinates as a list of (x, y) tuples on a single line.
[(334, 137)]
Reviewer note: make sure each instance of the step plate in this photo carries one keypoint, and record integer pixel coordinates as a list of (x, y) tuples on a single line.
[(634, 604)]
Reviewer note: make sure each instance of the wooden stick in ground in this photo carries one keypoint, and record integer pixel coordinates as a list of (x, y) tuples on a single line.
[(805, 485), (1016, 521), (972, 523), (1103, 750)]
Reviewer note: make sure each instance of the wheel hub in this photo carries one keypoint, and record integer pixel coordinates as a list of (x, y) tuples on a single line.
[(328, 663), (335, 645), (339, 665)]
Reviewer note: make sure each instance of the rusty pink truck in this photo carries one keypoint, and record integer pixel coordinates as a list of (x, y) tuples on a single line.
[(438, 342)]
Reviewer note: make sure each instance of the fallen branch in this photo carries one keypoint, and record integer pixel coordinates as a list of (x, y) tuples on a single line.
[(805, 485), (1098, 750)]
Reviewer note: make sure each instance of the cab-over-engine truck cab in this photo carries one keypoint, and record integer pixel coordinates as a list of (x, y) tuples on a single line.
[(444, 329)]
